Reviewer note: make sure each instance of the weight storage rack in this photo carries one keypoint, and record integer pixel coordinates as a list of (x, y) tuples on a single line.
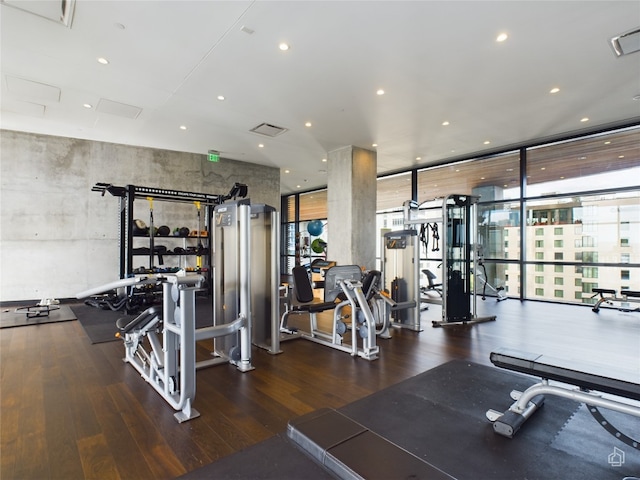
[(129, 193)]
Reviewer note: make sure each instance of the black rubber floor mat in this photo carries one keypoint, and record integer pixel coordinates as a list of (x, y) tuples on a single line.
[(100, 325), (439, 416), (276, 459)]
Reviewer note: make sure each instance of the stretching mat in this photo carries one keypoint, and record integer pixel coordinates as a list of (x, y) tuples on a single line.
[(439, 417)]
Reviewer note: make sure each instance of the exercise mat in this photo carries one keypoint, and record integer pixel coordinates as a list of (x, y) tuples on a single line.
[(275, 458), (100, 324), (17, 316), (439, 416)]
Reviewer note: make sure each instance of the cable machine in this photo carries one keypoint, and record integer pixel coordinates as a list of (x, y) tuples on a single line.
[(454, 215), (401, 263), (253, 240), (265, 277)]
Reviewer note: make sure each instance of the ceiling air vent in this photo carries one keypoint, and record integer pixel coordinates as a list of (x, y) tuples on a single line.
[(268, 130), (626, 43), (118, 109), (60, 11)]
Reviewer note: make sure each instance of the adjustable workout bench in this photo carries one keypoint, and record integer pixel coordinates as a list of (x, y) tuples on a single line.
[(598, 380), (627, 296)]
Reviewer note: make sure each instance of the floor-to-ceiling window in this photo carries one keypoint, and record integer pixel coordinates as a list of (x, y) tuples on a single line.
[(553, 221), (495, 181), (582, 217), (302, 243)]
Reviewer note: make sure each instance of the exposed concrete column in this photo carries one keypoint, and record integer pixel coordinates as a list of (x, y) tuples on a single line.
[(351, 198)]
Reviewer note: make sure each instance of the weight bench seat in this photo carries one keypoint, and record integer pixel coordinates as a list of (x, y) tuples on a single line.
[(630, 293), (567, 371), (601, 291), (351, 451), (624, 384), (303, 291)]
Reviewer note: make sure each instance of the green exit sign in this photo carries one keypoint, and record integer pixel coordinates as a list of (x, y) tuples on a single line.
[(214, 157)]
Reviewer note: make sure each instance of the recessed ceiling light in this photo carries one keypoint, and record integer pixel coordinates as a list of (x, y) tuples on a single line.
[(220, 97), (418, 158), (487, 142), (608, 142), (585, 119), (261, 145), (307, 124), (87, 105), (482, 178), (103, 61), (554, 90), (374, 145), (502, 37), (284, 46), (543, 168), (324, 159), (183, 127), (287, 171), (380, 92), (620, 156), (445, 123), (297, 186)]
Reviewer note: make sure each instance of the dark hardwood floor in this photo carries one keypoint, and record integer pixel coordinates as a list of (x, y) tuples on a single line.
[(73, 410)]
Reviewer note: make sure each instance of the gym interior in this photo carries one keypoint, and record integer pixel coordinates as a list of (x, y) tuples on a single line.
[(238, 265)]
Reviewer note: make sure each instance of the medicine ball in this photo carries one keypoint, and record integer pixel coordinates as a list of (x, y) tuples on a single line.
[(139, 227), (163, 231), (318, 245), (315, 227), (184, 232)]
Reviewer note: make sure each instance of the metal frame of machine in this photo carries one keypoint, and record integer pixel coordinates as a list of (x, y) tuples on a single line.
[(169, 365), (454, 213)]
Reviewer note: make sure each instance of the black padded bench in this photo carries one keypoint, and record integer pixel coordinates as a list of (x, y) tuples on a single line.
[(351, 451), (598, 378), (627, 296)]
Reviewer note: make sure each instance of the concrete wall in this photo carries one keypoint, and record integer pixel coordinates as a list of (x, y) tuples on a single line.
[(58, 238)]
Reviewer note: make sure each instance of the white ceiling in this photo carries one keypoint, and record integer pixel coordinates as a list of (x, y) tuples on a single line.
[(436, 61)]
